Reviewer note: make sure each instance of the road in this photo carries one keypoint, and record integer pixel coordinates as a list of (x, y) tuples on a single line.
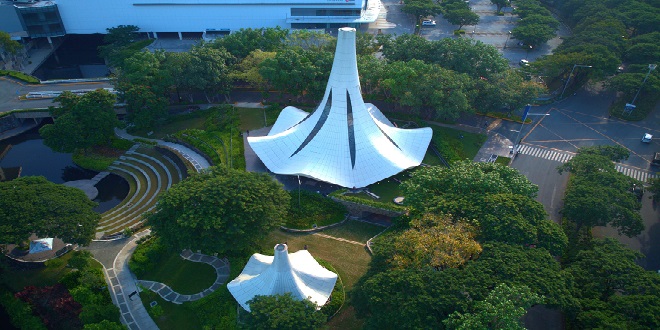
[(552, 185), (11, 89)]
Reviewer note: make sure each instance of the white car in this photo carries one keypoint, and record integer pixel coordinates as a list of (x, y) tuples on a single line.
[(647, 138), (524, 62), (428, 22)]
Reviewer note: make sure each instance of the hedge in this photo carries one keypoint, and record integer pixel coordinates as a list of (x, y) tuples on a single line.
[(20, 76)]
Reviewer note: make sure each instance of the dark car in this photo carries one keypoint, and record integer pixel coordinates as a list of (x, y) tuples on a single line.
[(656, 159)]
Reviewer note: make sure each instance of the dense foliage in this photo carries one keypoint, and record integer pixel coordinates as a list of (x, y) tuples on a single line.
[(307, 209), (36, 205), (283, 312), (81, 122), (599, 195), (221, 210)]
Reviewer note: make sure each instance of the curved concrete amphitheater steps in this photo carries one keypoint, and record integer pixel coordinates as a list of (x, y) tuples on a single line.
[(149, 173)]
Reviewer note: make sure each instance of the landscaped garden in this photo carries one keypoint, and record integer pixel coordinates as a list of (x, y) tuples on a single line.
[(309, 210)]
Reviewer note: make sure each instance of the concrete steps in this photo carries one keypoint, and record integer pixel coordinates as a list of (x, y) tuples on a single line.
[(149, 174)]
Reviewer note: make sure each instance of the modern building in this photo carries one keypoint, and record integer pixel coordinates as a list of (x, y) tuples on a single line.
[(297, 273), (344, 141), (180, 18)]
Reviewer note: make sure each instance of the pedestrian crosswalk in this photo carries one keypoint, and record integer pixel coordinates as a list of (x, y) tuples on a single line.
[(564, 156), (634, 173), (560, 156)]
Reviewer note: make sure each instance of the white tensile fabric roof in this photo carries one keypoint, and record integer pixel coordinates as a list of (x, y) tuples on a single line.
[(40, 245), (297, 273), (344, 141)]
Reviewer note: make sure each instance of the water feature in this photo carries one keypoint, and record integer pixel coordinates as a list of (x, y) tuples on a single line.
[(77, 57), (29, 152)]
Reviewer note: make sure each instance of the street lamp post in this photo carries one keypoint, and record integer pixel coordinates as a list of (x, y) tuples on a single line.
[(571, 74), (528, 49), (516, 142), (651, 68), (507, 39)]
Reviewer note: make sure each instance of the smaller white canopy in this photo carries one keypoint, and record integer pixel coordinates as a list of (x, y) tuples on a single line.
[(40, 245), (297, 273)]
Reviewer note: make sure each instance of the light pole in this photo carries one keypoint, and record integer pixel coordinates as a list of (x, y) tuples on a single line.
[(569, 77), (507, 39), (528, 49), (651, 68), (516, 143)]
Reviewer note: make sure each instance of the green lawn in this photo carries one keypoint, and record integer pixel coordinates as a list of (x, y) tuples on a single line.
[(183, 276), (350, 260), (503, 160), (387, 189), (175, 124), (355, 231), (174, 316), (250, 118), (453, 147)]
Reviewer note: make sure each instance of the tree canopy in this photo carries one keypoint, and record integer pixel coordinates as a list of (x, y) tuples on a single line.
[(498, 198), (36, 205), (222, 210), (283, 312), (598, 195), (502, 309), (81, 121)]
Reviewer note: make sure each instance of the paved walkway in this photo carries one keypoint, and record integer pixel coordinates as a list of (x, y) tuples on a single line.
[(124, 291), (221, 268), (200, 163)]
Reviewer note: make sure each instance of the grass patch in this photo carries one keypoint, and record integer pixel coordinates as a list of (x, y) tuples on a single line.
[(314, 209), (174, 124), (503, 160), (457, 145), (387, 189), (364, 199), (250, 118), (645, 105), (183, 276), (431, 159), (355, 231), (17, 279), (20, 76), (272, 112), (92, 160), (350, 260), (173, 316)]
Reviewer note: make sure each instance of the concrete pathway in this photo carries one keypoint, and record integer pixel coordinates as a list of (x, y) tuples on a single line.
[(200, 163), (221, 267), (124, 290)]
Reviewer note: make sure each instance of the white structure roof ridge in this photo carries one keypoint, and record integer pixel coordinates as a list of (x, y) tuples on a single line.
[(297, 273), (344, 141)]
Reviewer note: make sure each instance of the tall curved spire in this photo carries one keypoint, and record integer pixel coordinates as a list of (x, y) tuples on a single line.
[(344, 141)]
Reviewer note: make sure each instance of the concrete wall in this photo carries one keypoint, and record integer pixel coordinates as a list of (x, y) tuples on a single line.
[(9, 21), (95, 16)]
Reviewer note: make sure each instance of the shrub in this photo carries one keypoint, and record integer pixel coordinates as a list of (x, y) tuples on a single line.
[(146, 256), (338, 294), (20, 76), (313, 209), (20, 313), (121, 144)]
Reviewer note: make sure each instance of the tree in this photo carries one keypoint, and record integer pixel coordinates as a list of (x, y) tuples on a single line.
[(298, 71), (598, 195), (8, 46), (612, 289), (422, 299), (284, 312), (245, 41), (498, 198), (222, 210), (144, 107), (145, 68), (461, 17), (435, 242), (533, 34), (209, 71), (654, 188), (117, 41), (104, 325), (421, 8), (248, 69), (502, 309), (85, 121), (500, 4), (35, 205)]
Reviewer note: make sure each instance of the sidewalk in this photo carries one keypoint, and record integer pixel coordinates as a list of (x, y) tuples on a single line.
[(123, 289)]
